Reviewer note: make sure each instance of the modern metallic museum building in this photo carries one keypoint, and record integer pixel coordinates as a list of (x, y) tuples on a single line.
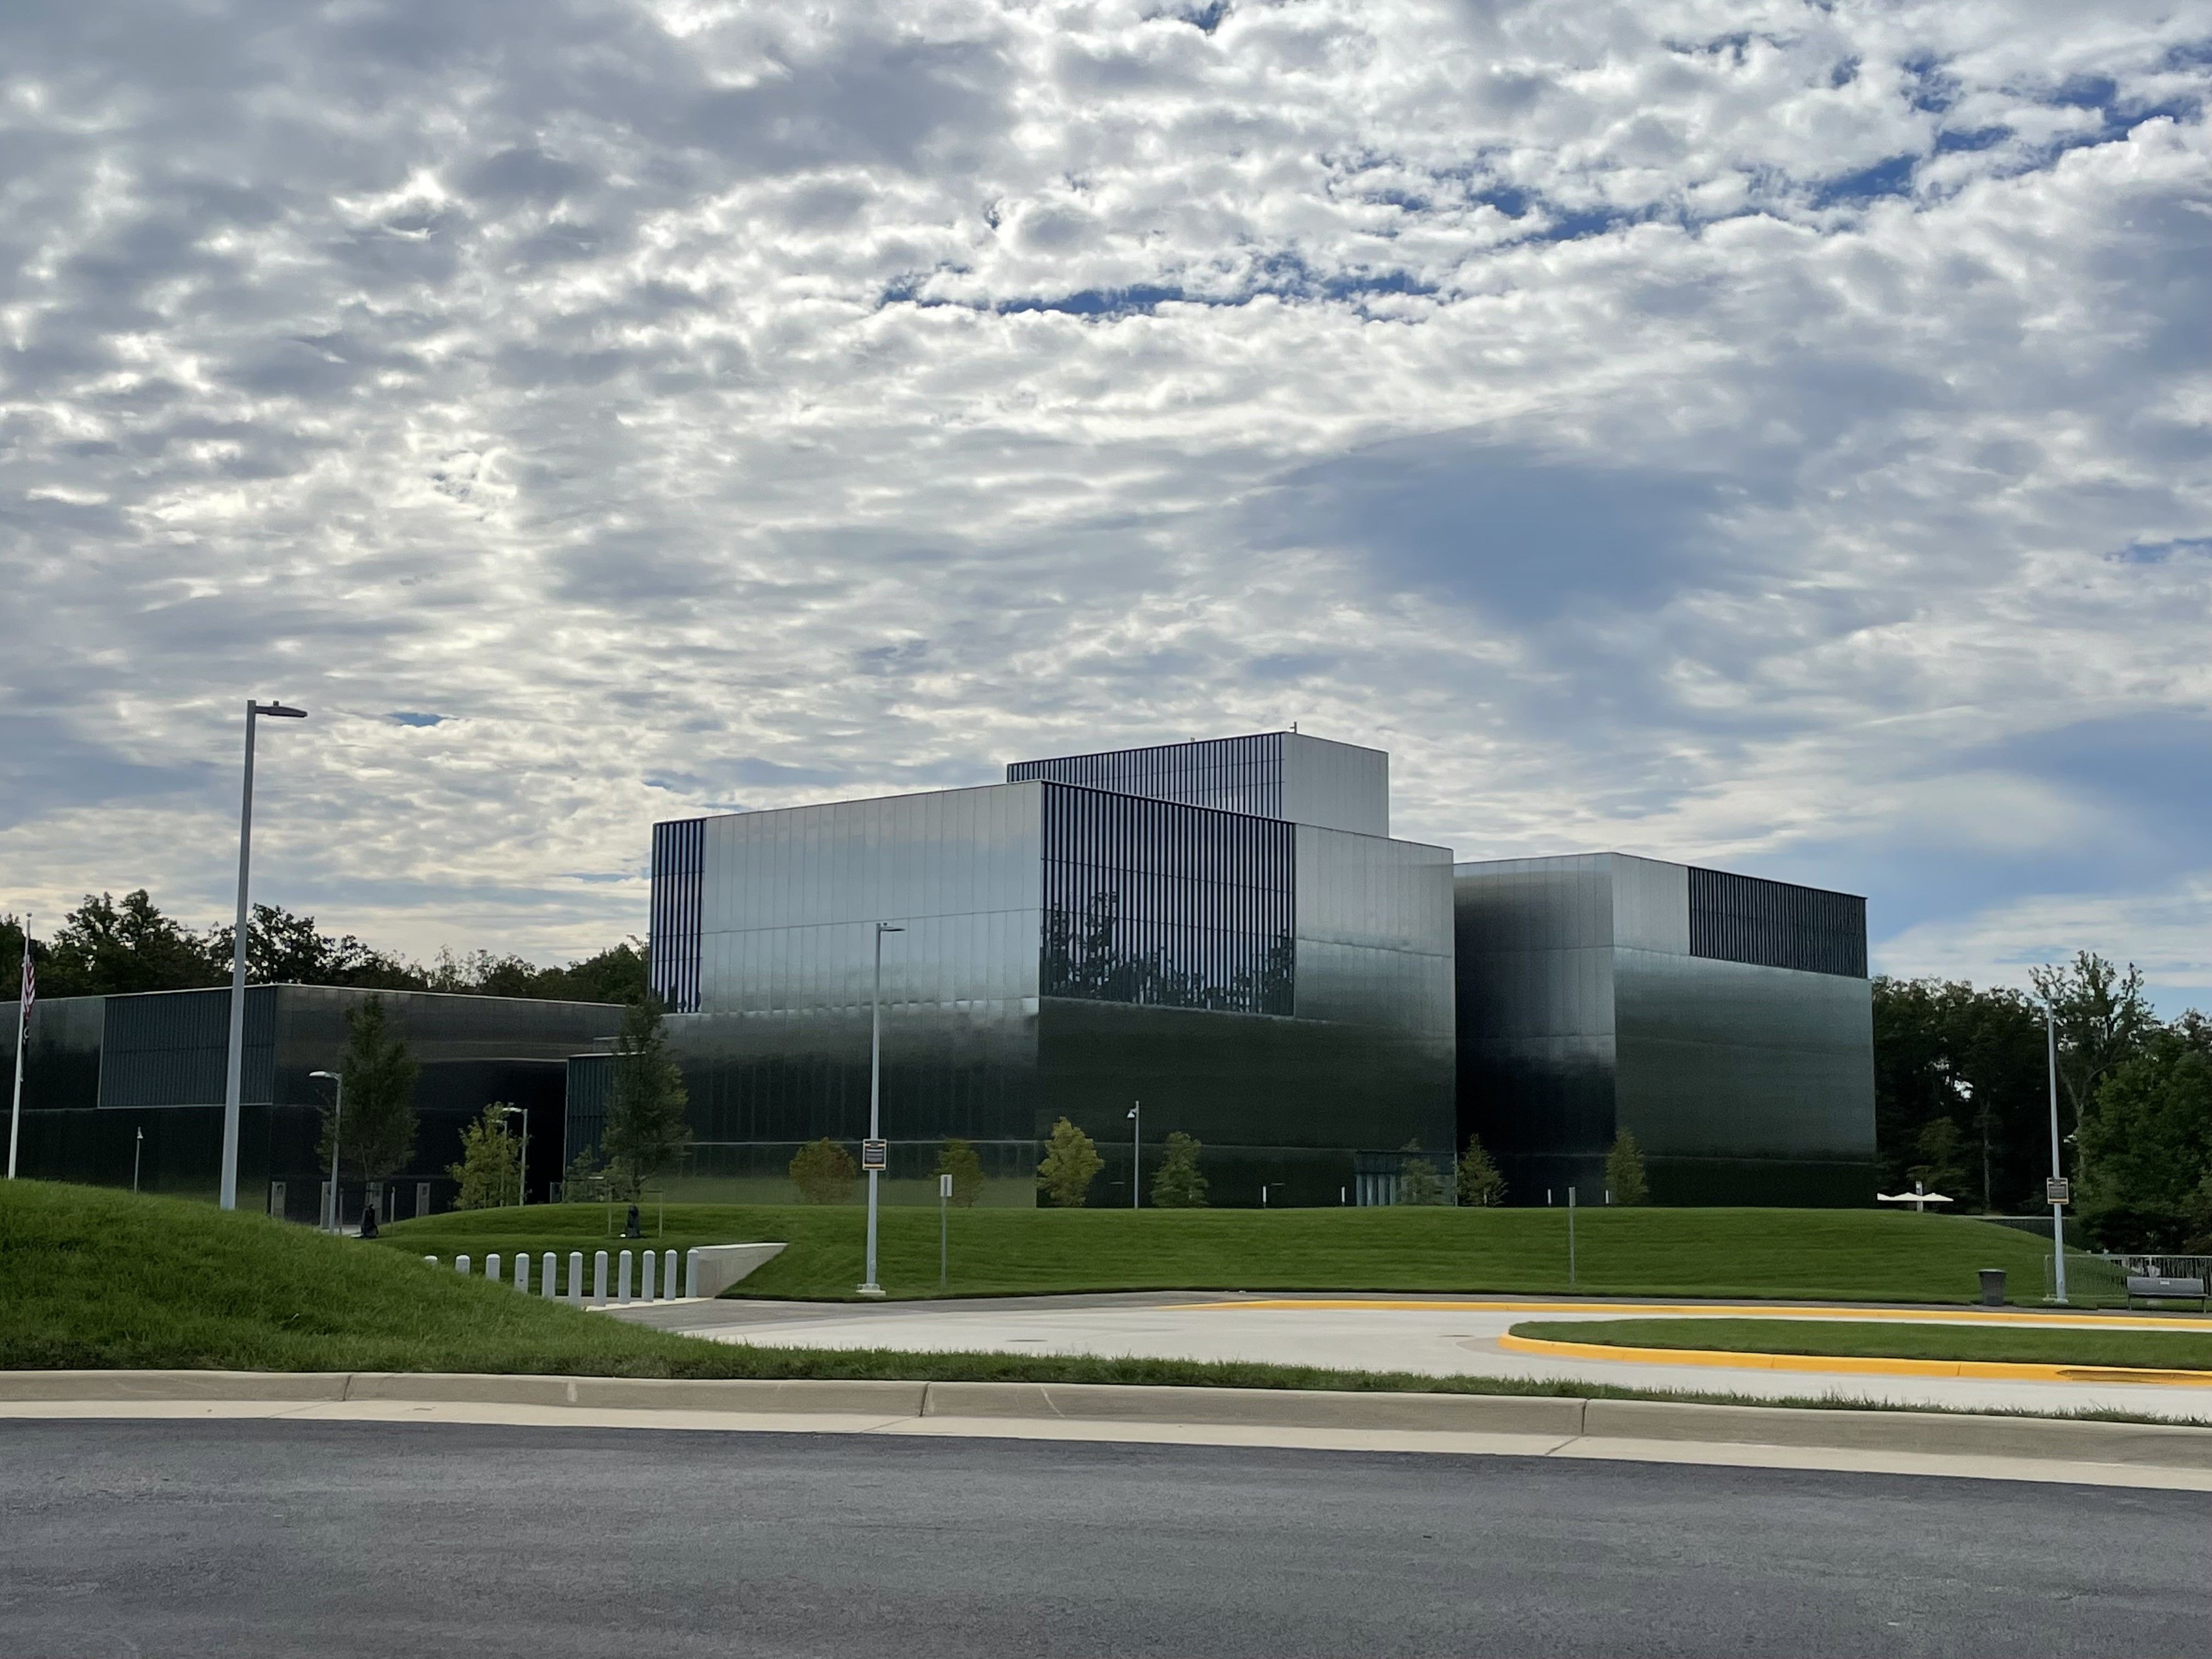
[(1725, 1021), (1222, 931)]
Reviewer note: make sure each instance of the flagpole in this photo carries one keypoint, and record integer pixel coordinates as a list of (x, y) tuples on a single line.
[(22, 1024)]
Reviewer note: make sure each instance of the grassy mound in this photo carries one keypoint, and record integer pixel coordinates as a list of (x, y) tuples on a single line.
[(2179, 1349), (1839, 1254)]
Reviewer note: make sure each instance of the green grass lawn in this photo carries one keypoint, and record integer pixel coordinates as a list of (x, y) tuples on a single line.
[(1846, 1255), (2180, 1350)]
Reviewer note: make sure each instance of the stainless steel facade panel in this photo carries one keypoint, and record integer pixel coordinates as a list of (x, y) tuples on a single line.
[(1583, 1010), (1374, 932), (1271, 775), (1336, 786), (1731, 1060), (1776, 924), (672, 927)]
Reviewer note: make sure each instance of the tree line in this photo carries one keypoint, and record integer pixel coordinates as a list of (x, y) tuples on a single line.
[(1962, 1100), (108, 947)]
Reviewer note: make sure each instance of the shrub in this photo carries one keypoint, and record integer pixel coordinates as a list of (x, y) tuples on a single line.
[(824, 1172), (1071, 1164), (1418, 1179), (1479, 1183), (1179, 1185), (958, 1159), (1624, 1172)]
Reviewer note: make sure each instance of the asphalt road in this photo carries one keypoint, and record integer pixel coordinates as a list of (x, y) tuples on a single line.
[(393, 1541)]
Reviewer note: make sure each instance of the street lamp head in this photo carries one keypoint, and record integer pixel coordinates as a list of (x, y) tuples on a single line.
[(332, 1076), (279, 711), (889, 927)]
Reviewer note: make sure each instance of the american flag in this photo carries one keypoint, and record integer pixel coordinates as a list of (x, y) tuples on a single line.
[(30, 975)]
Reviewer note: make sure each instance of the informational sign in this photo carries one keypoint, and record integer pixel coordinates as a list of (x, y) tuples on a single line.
[(2057, 1191), (875, 1154), (944, 1186)]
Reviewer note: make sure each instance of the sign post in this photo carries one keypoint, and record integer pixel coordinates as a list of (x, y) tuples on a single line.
[(944, 1229)]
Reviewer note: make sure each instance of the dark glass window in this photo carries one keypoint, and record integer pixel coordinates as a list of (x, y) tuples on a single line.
[(1233, 774), (1776, 925), (1153, 902), (679, 861)]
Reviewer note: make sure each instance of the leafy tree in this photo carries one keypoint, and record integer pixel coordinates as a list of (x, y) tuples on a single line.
[(1942, 1166), (1480, 1183), (648, 1132), (1948, 1049), (2103, 1018), (1624, 1172), (104, 948), (490, 1170), (282, 948), (377, 1136), (958, 1159), (585, 1181), (2146, 1145), (1179, 1184), (824, 1172), (615, 974), (1418, 1179), (1070, 1164)]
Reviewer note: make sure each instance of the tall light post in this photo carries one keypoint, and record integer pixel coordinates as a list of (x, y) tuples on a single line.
[(2057, 1189), (522, 1175), (235, 1074), (1136, 1151), (338, 1121), (872, 1154), (23, 996)]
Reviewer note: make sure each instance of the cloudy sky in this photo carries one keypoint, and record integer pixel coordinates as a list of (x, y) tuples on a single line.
[(1767, 433)]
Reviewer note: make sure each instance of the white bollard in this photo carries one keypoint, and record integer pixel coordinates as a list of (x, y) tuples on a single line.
[(576, 1277), (691, 1271), (599, 1275), (549, 1275), (668, 1274), (461, 1265), (624, 1278), (491, 1268), (522, 1271), (645, 1284)]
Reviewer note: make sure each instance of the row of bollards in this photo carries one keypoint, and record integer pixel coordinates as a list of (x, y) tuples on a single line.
[(661, 1265)]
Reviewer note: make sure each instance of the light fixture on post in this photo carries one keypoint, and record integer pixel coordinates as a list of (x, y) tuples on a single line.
[(338, 1121), (234, 1072), (874, 1154)]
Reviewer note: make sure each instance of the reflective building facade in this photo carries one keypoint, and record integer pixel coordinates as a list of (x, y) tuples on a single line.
[(1725, 1021), (97, 1071), (1146, 925)]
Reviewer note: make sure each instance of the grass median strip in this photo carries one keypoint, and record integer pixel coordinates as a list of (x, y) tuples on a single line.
[(1842, 1255), (2007, 1343)]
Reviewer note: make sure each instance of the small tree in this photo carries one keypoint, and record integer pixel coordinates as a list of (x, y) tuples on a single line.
[(824, 1172), (1942, 1166), (377, 1126), (958, 1159), (489, 1173), (1418, 1179), (1479, 1183), (1179, 1185), (1071, 1164), (585, 1182), (647, 1133), (1624, 1172)]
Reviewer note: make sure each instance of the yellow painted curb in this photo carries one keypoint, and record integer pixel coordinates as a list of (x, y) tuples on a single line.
[(1858, 1364), (1964, 1316)]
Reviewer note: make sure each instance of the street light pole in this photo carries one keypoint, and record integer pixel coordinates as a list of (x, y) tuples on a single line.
[(1136, 1152), (22, 1024), (338, 1121), (235, 1073), (876, 1094), (522, 1180), (2057, 1173)]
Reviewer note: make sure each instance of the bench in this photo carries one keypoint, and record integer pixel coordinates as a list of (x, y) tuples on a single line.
[(2153, 1288)]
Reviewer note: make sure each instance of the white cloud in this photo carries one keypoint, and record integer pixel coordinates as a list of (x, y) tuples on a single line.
[(1776, 434)]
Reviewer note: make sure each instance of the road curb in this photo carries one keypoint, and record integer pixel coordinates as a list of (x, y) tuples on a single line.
[(2138, 1445), (1749, 1360)]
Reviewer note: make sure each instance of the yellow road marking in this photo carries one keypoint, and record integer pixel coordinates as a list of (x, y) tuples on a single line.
[(1860, 1363), (1724, 1310)]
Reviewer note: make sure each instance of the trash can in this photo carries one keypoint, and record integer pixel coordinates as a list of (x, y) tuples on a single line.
[(1993, 1287)]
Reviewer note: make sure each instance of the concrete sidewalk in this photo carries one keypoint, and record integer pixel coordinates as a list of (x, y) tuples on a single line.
[(1898, 1443), (1436, 1336)]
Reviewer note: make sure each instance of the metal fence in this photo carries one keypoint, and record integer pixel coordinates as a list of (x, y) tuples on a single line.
[(2101, 1281)]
